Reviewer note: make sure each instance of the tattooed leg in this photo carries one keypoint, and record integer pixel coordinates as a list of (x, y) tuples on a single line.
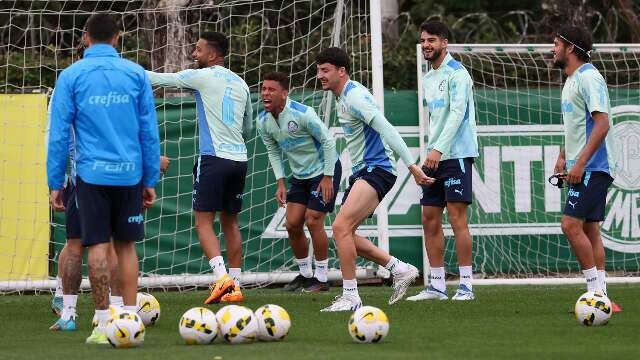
[(99, 275), (71, 266)]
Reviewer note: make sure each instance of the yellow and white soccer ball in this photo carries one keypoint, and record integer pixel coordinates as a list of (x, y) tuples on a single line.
[(113, 311), (593, 309), (368, 324), (237, 324), (148, 308), (273, 322), (198, 326), (125, 330)]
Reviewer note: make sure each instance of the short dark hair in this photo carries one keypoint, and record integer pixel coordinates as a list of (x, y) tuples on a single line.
[(280, 77), (436, 28), (102, 27), (334, 56), (578, 36), (217, 41)]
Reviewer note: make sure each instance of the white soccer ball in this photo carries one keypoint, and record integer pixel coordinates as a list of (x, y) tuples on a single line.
[(113, 311), (148, 308), (593, 309), (368, 325), (198, 326), (125, 330), (273, 322), (237, 324)]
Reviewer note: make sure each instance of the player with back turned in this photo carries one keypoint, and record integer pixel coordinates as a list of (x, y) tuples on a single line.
[(109, 103)]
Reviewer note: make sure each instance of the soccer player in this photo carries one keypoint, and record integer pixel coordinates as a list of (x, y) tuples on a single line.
[(588, 158), (109, 103), (370, 138), (289, 127), (453, 144), (224, 110)]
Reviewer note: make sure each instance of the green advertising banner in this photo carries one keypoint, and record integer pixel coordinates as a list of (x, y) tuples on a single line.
[(514, 218)]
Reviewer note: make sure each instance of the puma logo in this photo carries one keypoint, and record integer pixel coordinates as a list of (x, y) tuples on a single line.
[(573, 205), (458, 191)]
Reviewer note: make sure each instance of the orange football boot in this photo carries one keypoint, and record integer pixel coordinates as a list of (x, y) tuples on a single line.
[(615, 308), (233, 296), (224, 285)]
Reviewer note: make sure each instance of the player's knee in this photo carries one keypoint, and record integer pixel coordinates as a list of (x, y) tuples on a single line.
[(293, 227), (340, 229), (313, 221), (568, 227)]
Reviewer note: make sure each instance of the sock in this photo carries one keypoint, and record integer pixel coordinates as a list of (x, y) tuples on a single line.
[(58, 287), (131, 308), (350, 288), (322, 266), (602, 280), (235, 275), (304, 265), (466, 277), (69, 309), (396, 266), (437, 279), (116, 301), (217, 265), (592, 279), (103, 317)]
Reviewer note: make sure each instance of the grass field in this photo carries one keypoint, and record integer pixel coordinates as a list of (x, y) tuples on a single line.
[(506, 322)]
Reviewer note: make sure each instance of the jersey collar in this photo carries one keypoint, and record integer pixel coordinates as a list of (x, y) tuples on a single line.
[(101, 50)]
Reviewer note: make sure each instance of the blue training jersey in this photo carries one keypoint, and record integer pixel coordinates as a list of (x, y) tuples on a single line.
[(108, 103)]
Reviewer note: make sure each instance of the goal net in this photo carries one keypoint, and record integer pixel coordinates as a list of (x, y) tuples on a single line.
[(38, 40), (515, 216)]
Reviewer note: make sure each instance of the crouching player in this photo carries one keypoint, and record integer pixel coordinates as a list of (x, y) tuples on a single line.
[(289, 127)]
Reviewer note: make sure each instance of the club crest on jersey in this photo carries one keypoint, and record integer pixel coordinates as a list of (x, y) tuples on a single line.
[(443, 83), (292, 126)]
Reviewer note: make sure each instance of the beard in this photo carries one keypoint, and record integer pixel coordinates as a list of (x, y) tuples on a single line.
[(436, 54), (560, 63)]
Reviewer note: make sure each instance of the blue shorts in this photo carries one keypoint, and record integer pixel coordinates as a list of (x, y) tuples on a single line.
[(71, 214), (218, 184), (303, 191), (109, 211), (453, 183), (381, 180), (588, 199)]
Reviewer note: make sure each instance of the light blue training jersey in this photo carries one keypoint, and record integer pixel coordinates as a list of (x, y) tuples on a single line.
[(224, 110), (448, 91), (585, 92), (302, 136)]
